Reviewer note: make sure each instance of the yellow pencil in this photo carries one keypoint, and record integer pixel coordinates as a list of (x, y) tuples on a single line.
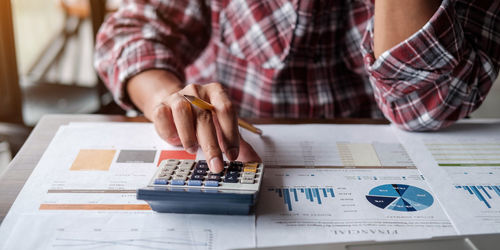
[(207, 106)]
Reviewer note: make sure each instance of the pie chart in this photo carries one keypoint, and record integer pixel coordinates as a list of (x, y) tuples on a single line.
[(400, 197)]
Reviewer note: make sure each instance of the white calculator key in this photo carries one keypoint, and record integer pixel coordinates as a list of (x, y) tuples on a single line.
[(248, 174), (182, 171), (247, 180), (179, 177), (188, 163)]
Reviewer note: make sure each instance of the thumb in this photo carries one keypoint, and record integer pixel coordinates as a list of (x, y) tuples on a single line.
[(247, 153)]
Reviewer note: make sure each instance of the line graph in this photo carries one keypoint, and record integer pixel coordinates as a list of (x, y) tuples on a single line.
[(133, 238)]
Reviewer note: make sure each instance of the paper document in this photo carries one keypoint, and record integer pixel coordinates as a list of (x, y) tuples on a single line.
[(462, 164), (82, 195), (332, 183), (333, 146), (322, 183)]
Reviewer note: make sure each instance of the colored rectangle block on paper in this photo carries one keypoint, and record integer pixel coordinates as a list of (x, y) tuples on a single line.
[(136, 156), (93, 159), (175, 154), (94, 207)]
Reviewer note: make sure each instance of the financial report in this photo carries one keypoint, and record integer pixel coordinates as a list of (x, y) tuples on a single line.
[(322, 183)]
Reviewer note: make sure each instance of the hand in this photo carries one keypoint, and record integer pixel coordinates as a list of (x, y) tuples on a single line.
[(178, 122)]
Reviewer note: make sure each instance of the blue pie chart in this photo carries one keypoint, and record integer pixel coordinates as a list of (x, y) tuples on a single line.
[(400, 197)]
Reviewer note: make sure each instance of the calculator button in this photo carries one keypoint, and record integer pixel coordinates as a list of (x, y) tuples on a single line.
[(211, 183), (171, 162), (187, 163), (233, 168), (167, 171), (250, 169), (247, 180), (252, 164), (177, 182), (248, 174), (164, 175), (182, 171), (231, 178), (196, 177), (194, 183), (200, 171), (238, 164), (180, 177), (236, 173), (161, 181), (169, 167), (201, 165), (184, 167), (213, 177)]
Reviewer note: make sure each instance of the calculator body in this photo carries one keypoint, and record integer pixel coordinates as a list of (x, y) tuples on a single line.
[(187, 186)]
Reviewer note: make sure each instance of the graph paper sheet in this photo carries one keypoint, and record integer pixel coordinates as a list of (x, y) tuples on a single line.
[(462, 164)]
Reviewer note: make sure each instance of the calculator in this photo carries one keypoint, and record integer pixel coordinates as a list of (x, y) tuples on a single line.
[(188, 186)]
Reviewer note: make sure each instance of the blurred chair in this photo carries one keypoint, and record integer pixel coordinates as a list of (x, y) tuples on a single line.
[(43, 95)]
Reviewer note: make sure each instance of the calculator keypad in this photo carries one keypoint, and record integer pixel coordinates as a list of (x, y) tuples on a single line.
[(196, 174)]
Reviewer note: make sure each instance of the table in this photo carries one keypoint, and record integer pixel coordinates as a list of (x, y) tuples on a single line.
[(25, 161)]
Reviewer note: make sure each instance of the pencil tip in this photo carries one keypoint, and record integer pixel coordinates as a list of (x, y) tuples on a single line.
[(189, 97)]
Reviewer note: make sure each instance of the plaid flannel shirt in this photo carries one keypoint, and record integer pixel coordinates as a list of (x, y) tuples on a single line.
[(309, 58)]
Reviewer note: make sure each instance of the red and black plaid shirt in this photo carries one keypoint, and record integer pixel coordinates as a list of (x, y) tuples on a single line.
[(309, 58)]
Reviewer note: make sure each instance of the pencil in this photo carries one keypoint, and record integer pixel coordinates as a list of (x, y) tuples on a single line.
[(207, 106)]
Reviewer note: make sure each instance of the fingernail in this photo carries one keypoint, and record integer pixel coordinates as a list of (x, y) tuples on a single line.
[(232, 153), (193, 149), (216, 165), (173, 140)]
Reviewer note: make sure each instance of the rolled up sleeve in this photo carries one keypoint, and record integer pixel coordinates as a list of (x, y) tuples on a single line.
[(441, 73), (154, 34)]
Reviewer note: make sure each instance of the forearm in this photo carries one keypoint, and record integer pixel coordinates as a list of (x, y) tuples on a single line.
[(151, 87), (397, 20)]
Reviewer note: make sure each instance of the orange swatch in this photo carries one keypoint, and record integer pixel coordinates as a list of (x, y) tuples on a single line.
[(175, 154), (93, 159), (95, 207)]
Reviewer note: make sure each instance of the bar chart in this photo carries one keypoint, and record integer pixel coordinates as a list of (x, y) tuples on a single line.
[(311, 194), (483, 193)]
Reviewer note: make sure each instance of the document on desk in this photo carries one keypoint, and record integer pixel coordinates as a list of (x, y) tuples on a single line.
[(462, 164), (82, 195), (322, 183), (332, 183)]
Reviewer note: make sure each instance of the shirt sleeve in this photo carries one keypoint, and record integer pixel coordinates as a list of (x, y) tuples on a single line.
[(150, 34), (442, 72)]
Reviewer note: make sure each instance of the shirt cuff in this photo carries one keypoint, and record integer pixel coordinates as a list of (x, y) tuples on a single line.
[(435, 48)]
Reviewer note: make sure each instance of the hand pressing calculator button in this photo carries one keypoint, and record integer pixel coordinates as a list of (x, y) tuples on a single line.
[(187, 186)]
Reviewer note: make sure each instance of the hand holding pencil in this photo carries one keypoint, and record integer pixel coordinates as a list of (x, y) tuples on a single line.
[(214, 129), (207, 106)]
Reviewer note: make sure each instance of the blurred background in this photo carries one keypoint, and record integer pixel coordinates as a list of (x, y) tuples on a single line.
[(46, 49)]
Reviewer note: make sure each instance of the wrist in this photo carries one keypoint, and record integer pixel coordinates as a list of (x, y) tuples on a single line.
[(151, 88)]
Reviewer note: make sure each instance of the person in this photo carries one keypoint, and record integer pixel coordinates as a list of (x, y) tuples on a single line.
[(422, 63)]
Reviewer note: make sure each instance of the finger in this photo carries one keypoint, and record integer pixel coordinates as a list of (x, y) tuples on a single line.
[(247, 153), (184, 122), (225, 118), (164, 125), (207, 138)]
